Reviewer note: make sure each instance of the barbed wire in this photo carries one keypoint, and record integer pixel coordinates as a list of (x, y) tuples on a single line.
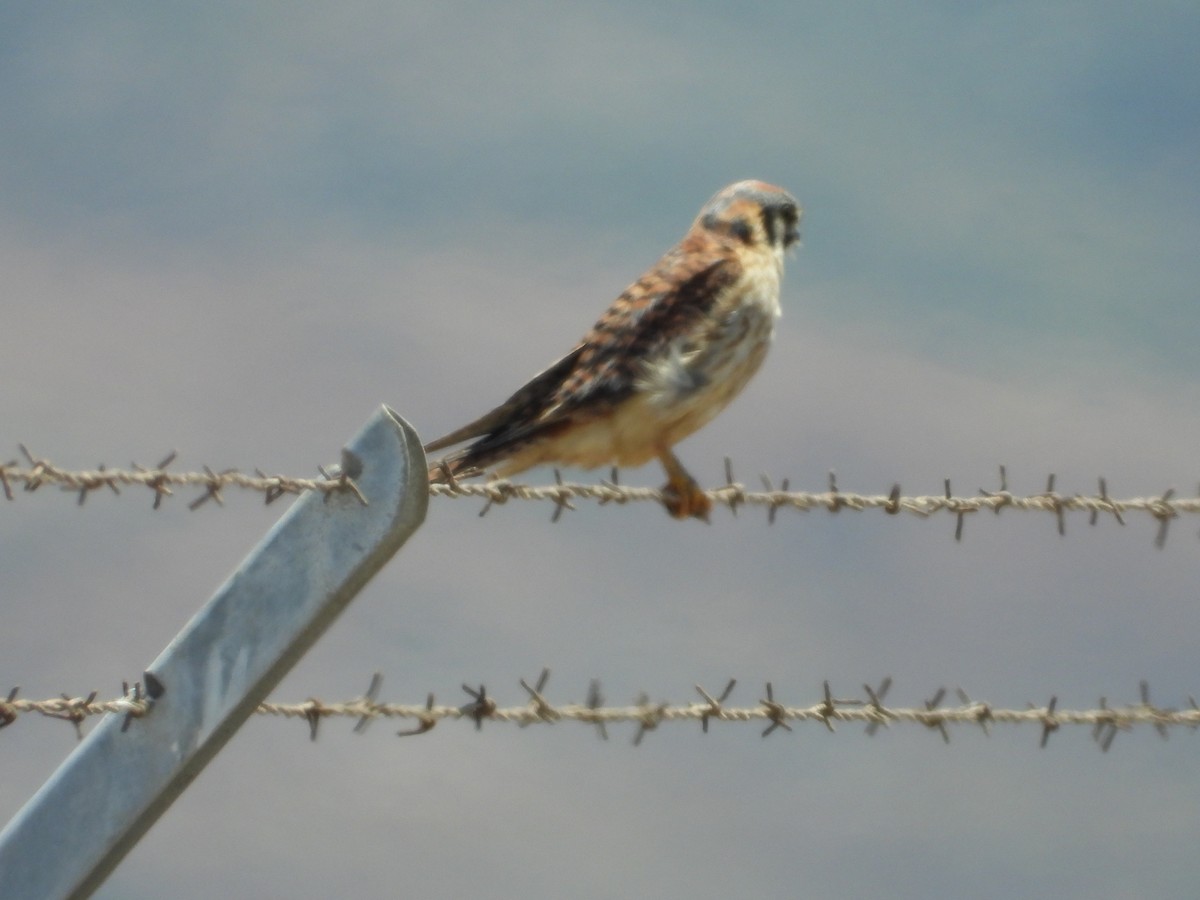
[(733, 495), (41, 471), (1105, 721)]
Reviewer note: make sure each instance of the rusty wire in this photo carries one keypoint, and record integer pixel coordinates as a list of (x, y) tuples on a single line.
[(1164, 508), (772, 712)]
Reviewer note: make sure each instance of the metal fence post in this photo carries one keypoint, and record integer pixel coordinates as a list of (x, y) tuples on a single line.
[(119, 780)]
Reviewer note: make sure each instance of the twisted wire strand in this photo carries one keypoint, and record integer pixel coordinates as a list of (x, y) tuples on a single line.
[(1105, 721), (39, 472)]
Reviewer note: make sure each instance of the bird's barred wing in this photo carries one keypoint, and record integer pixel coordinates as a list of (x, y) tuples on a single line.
[(671, 301)]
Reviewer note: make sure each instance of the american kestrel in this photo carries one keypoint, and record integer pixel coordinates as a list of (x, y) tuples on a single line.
[(666, 357)]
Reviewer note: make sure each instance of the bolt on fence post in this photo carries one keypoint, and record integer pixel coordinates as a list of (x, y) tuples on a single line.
[(91, 812)]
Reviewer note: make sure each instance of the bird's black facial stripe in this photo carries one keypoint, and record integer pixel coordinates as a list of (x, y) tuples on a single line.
[(770, 222), (779, 223)]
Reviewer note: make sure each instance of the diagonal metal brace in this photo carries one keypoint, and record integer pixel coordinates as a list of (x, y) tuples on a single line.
[(91, 812)]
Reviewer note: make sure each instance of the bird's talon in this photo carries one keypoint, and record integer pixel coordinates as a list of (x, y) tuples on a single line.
[(686, 500)]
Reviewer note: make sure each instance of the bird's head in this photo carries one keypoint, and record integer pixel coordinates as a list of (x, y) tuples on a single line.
[(754, 213)]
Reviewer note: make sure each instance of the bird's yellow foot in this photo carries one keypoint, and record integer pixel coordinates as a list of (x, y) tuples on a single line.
[(684, 499)]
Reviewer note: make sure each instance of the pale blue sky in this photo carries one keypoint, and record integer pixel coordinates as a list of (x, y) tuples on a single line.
[(234, 230)]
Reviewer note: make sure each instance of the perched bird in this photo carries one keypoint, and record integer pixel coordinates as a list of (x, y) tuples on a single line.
[(666, 357)]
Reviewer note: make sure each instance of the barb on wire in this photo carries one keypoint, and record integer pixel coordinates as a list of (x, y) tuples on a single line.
[(38, 471), (1104, 721)]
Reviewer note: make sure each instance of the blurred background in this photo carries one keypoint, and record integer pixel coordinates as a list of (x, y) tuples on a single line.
[(235, 230)]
